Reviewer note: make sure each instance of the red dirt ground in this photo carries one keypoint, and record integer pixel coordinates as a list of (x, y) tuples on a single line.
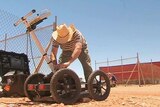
[(120, 96)]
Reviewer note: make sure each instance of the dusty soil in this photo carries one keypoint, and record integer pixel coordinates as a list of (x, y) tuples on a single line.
[(120, 96)]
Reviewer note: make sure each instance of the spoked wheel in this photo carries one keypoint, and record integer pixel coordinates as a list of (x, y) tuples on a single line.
[(98, 85), (65, 86), (33, 79)]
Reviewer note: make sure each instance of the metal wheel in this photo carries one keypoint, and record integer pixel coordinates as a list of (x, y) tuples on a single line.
[(65, 86), (98, 85), (33, 79)]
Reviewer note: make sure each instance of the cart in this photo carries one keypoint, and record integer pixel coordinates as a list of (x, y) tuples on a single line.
[(65, 85)]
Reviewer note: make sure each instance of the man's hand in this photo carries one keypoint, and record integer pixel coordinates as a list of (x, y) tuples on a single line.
[(74, 56), (64, 65), (56, 67)]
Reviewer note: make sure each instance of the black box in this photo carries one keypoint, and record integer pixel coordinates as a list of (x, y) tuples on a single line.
[(14, 69)]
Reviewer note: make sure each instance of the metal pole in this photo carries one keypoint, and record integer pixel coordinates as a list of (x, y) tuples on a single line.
[(138, 71), (5, 43), (152, 72), (55, 24), (27, 45), (122, 68), (142, 73), (108, 64), (95, 65)]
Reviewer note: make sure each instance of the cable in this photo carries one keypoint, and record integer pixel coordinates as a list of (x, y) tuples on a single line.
[(31, 50)]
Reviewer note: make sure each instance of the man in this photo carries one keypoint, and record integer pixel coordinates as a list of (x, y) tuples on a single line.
[(113, 80), (73, 46)]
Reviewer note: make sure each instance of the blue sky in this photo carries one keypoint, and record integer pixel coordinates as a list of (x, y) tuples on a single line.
[(112, 28)]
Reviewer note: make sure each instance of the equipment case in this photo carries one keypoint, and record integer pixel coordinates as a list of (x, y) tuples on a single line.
[(14, 69)]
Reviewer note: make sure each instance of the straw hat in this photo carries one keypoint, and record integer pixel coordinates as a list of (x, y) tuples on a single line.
[(63, 33)]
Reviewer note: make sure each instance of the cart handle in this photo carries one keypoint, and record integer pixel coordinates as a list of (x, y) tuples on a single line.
[(24, 17)]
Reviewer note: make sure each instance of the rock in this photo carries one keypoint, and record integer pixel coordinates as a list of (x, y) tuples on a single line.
[(123, 103)]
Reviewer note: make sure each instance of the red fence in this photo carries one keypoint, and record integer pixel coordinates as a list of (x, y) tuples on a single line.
[(150, 72)]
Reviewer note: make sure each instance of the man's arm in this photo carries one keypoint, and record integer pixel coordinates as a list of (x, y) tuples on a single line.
[(74, 56), (53, 56), (76, 52)]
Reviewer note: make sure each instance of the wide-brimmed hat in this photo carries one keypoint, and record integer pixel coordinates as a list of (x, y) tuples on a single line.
[(63, 33)]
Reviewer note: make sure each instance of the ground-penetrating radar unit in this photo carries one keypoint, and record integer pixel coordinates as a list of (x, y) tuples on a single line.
[(64, 86)]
